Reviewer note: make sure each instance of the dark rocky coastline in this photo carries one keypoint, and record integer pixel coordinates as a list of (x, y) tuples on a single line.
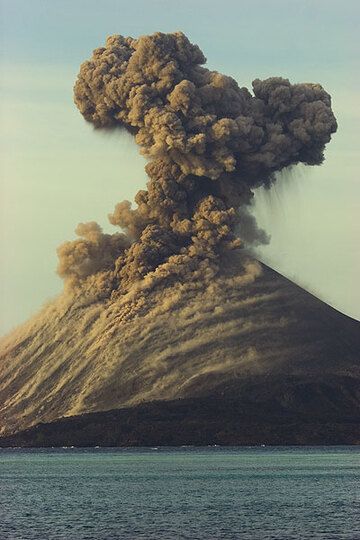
[(291, 412)]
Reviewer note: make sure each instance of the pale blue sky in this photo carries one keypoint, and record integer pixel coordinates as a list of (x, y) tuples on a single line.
[(56, 171)]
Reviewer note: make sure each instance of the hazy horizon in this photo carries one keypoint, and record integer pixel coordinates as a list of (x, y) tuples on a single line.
[(57, 171)]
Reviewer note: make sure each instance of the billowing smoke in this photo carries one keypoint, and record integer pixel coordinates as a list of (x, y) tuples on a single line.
[(208, 144)]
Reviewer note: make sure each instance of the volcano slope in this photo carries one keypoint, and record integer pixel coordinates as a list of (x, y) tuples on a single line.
[(251, 358)]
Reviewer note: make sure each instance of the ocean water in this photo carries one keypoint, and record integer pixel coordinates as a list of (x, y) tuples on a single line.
[(180, 493)]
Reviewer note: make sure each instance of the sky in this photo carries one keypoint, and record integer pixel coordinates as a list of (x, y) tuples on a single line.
[(56, 171)]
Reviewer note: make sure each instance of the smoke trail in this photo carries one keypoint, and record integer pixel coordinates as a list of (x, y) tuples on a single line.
[(208, 143)]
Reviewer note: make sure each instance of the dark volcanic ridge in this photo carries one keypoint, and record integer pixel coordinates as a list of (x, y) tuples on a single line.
[(272, 412)]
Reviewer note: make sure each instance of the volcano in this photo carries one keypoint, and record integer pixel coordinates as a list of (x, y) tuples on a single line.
[(169, 332), (251, 359)]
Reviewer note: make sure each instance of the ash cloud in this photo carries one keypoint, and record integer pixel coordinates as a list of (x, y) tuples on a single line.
[(209, 144)]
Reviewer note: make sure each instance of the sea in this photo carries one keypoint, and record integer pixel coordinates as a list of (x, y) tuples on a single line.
[(180, 493)]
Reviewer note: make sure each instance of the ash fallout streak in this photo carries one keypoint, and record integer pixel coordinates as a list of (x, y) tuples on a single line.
[(209, 144)]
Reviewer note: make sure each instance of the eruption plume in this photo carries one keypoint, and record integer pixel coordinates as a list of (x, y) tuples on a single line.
[(208, 143)]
